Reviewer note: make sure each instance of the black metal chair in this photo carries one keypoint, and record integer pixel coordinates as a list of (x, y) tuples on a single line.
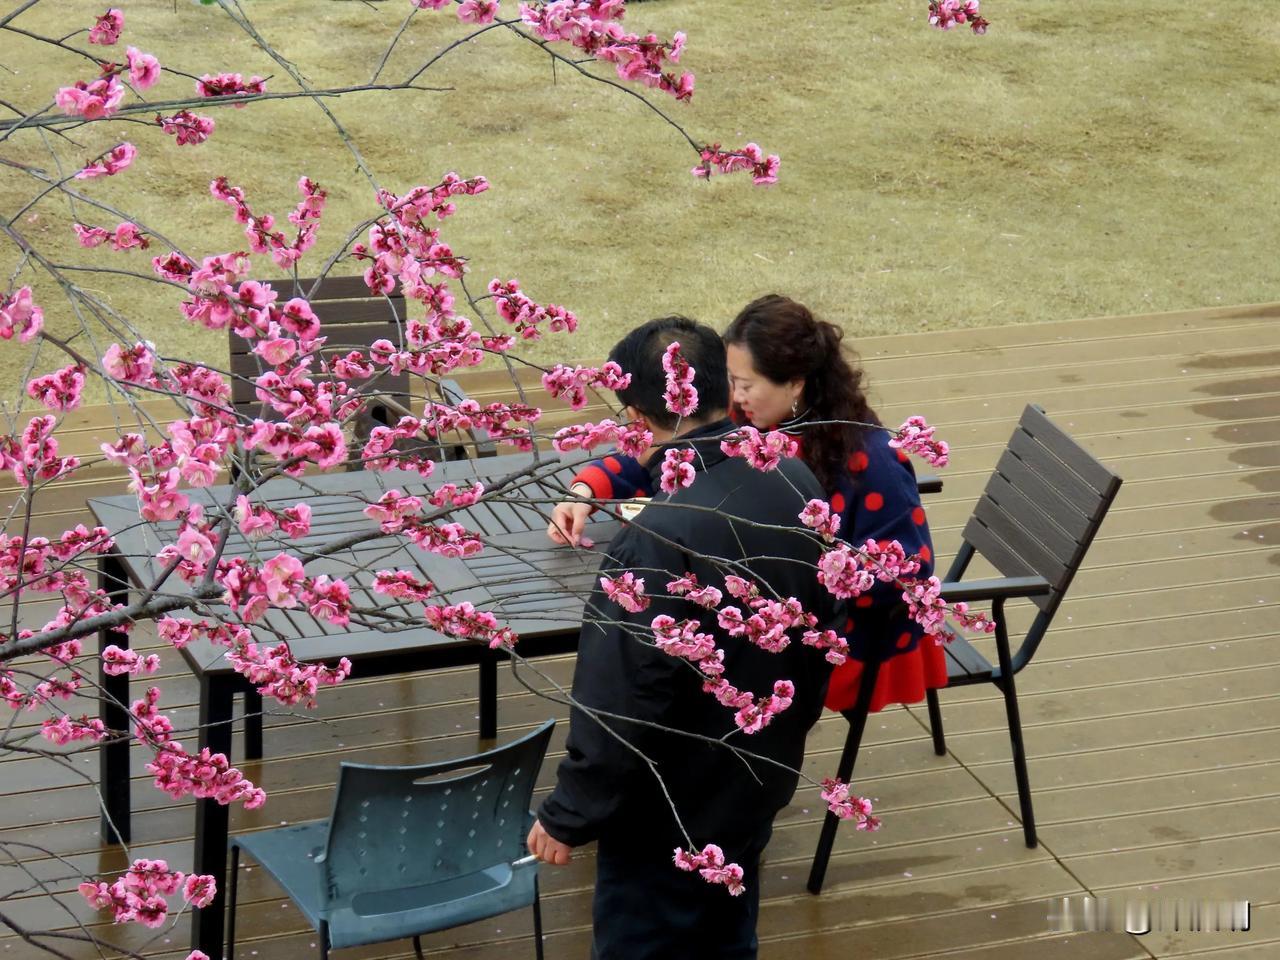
[(1034, 523)]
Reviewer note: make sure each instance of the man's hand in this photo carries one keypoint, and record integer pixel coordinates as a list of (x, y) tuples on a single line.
[(547, 848), (569, 518)]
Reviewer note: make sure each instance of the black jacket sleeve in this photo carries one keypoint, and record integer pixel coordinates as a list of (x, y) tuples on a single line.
[(621, 672)]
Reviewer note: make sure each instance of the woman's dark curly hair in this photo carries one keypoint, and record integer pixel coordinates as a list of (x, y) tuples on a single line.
[(787, 343)]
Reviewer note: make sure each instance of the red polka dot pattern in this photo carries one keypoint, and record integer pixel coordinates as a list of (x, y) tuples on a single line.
[(873, 501), (917, 515), (904, 641), (902, 457), (837, 503), (862, 602), (612, 465), (925, 553), (858, 462)]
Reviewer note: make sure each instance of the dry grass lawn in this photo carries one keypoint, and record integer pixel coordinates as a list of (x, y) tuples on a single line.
[(1082, 159)]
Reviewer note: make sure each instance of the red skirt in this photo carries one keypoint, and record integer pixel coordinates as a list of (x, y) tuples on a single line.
[(903, 678)]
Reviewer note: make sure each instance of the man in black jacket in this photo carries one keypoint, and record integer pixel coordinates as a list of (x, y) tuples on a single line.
[(654, 761)]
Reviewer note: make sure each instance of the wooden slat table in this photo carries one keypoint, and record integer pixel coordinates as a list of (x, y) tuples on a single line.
[(538, 589)]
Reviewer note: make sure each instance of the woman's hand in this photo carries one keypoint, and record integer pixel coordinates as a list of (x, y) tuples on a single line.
[(569, 518)]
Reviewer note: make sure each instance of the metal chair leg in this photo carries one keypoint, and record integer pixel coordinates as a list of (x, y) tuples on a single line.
[(231, 903), (857, 718), (537, 920), (323, 933), (417, 948), (1004, 680), (935, 723), (1019, 760)]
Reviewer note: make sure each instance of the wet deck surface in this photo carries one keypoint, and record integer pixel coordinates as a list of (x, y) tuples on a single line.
[(1151, 719)]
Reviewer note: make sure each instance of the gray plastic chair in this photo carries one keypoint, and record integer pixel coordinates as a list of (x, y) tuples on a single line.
[(410, 850)]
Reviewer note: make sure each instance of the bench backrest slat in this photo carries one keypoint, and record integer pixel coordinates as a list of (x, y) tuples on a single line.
[(1042, 507), (352, 318)]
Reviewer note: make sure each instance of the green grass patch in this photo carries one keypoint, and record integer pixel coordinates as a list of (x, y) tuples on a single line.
[(1098, 159)]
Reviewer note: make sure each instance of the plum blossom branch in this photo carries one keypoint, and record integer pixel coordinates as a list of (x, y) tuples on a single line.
[(311, 397)]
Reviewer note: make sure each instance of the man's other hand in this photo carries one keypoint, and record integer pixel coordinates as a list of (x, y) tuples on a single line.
[(547, 848)]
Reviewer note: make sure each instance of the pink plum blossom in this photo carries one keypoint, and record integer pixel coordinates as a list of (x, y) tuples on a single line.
[(836, 646), (627, 591), (818, 515), (66, 730), (144, 69), (477, 11), (677, 469), (116, 661), (93, 100), (463, 620), (916, 436), (91, 236), (402, 584), (681, 396), (572, 383), (19, 314), (687, 586), (329, 600), (764, 170), (764, 452), (159, 500), (188, 128), (106, 30), (711, 865), (229, 85), (283, 578), (526, 315), (134, 364), (112, 163), (847, 807), (60, 390), (128, 236)]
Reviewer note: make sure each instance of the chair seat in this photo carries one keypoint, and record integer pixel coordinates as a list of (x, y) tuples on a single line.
[(409, 911), (289, 855), (965, 664)]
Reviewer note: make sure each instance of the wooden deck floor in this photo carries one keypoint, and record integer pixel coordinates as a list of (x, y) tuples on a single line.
[(1151, 717)]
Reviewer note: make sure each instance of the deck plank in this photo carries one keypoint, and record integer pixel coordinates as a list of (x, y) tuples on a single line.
[(1150, 716)]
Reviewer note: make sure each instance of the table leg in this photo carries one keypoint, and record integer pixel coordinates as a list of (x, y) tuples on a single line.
[(212, 818), (252, 725), (489, 695), (113, 710)]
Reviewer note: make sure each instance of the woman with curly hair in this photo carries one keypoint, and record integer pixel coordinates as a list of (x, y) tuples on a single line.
[(789, 370)]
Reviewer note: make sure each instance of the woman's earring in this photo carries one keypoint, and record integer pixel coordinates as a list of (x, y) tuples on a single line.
[(795, 412)]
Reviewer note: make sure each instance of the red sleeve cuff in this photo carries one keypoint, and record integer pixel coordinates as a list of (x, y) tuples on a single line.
[(598, 479)]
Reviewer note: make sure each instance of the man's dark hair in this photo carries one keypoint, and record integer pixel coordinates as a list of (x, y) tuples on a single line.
[(639, 353)]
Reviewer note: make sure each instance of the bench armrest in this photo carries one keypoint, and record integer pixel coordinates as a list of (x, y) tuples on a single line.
[(998, 588), (928, 483)]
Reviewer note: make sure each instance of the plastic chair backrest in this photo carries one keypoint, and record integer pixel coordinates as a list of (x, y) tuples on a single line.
[(438, 832)]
